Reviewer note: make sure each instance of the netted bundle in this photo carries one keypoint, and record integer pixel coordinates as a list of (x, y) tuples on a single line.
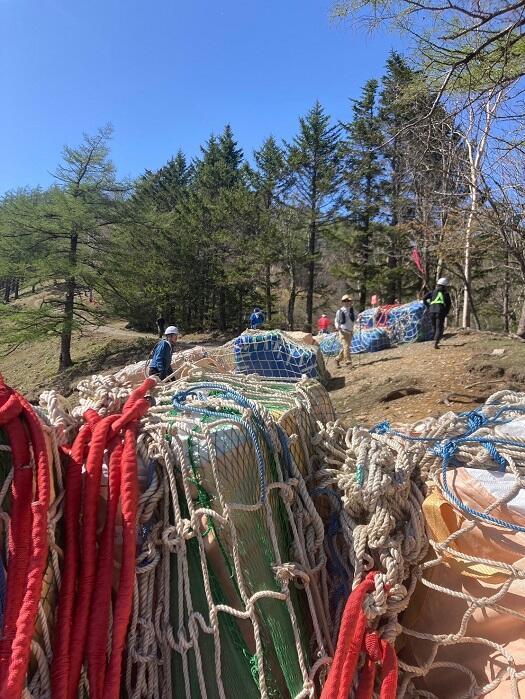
[(230, 591), (272, 354), (437, 510), (363, 340), (231, 569), (409, 322)]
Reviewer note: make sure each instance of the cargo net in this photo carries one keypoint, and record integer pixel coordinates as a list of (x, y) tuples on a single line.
[(383, 327), (271, 354), (231, 591), (438, 510)]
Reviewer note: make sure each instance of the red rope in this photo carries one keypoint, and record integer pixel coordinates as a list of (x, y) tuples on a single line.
[(98, 626), (85, 597), (88, 566), (353, 639), (66, 598), (28, 532)]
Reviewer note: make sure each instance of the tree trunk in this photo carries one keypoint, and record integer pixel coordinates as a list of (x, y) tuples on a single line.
[(467, 266), (7, 290), (67, 326), (222, 310), (521, 325), (16, 287), (69, 307), (311, 274), (506, 296), (291, 300), (268, 291), (241, 322), (33, 288)]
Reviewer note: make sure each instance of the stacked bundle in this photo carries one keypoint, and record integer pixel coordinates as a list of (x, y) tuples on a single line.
[(458, 480), (272, 354), (227, 591), (364, 340)]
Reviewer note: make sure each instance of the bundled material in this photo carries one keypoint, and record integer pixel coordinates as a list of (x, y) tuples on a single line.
[(272, 354), (363, 340), (444, 540), (229, 590)]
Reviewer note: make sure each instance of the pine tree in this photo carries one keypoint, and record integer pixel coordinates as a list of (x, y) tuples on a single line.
[(270, 181), (70, 225), (314, 159), (164, 188), (364, 192)]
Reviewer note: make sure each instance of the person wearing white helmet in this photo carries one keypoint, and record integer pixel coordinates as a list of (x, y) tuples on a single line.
[(438, 303), (160, 364)]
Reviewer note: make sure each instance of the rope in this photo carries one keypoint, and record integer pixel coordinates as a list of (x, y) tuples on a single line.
[(354, 639), (28, 554)]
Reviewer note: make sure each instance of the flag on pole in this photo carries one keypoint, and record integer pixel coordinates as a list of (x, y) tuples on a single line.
[(416, 259)]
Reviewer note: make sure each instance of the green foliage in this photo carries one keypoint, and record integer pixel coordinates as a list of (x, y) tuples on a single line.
[(59, 238)]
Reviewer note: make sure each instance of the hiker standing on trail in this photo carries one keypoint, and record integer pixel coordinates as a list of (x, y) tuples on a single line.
[(438, 302), (160, 364), (161, 324), (323, 324), (256, 318), (344, 324)]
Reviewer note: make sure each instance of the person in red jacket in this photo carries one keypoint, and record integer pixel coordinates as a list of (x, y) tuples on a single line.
[(323, 323)]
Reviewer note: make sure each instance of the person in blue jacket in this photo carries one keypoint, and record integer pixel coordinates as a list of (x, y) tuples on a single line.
[(256, 319), (160, 364)]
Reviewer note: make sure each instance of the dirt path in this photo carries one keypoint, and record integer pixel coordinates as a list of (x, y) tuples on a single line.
[(410, 382)]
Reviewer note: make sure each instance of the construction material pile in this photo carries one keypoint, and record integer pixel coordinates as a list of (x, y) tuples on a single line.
[(185, 558), (383, 327), (272, 354), (431, 528), (223, 535)]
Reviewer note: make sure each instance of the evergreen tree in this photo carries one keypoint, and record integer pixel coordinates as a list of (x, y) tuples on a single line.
[(165, 188), (69, 225), (314, 159), (270, 181), (364, 193)]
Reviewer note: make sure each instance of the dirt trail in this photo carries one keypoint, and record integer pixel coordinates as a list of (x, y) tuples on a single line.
[(410, 382)]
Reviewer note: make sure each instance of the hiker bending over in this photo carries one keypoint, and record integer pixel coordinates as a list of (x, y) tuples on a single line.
[(438, 302), (256, 319), (323, 324), (344, 324), (160, 364)]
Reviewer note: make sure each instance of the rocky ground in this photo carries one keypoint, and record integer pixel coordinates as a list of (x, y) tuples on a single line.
[(410, 382)]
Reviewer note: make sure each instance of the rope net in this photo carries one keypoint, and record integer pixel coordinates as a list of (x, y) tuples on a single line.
[(230, 589), (383, 327), (271, 354), (221, 535), (437, 509)]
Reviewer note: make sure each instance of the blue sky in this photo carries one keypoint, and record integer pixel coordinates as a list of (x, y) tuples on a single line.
[(166, 73)]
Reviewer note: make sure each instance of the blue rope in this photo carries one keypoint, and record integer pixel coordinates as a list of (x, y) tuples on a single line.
[(332, 528), (179, 403), (447, 448)]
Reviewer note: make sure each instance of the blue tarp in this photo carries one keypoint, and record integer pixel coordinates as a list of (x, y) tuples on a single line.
[(272, 355), (364, 340), (409, 323)]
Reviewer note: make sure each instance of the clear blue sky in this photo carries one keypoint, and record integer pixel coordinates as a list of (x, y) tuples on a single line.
[(166, 73)]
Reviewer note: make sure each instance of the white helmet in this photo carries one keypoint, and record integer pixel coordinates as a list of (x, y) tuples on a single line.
[(442, 281), (171, 330)]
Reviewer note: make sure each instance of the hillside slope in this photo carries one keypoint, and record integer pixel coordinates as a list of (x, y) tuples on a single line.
[(401, 384), (413, 381)]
